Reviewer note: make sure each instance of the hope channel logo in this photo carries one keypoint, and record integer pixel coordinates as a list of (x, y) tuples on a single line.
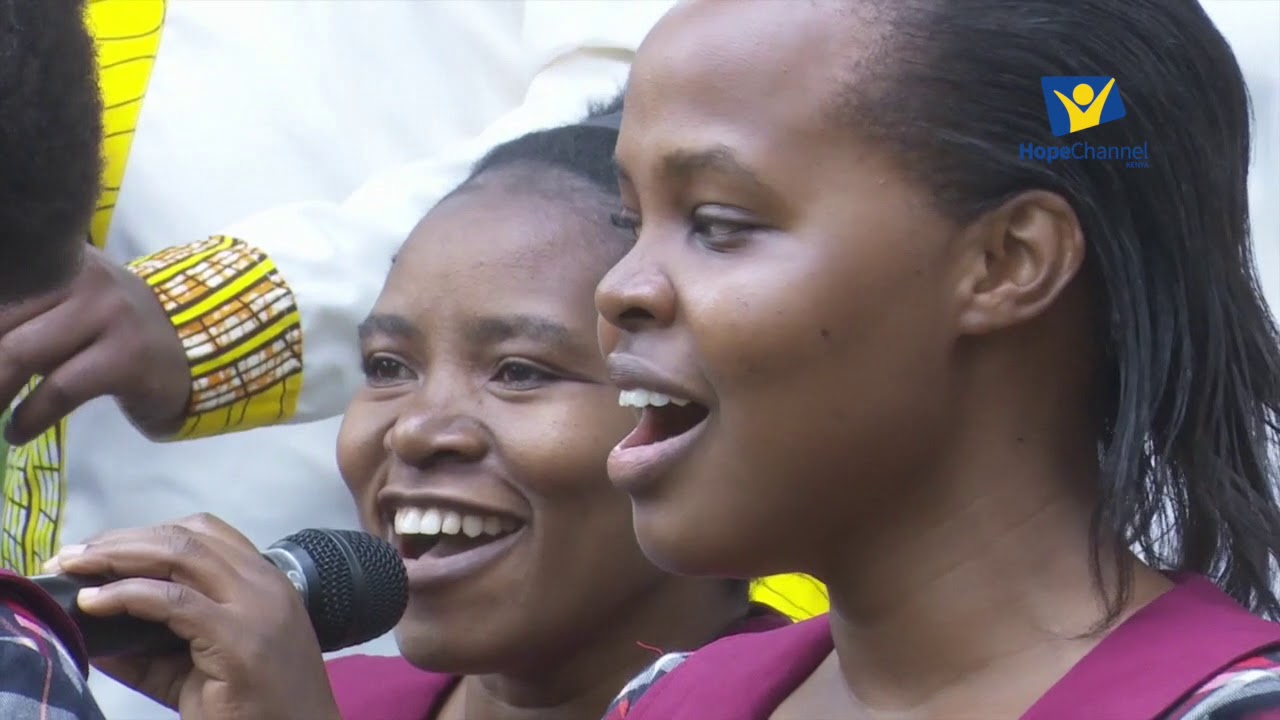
[(1074, 103)]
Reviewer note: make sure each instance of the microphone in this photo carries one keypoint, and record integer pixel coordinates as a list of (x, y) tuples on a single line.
[(353, 585)]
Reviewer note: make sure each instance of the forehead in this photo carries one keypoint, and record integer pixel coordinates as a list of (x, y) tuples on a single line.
[(491, 250), (737, 73)]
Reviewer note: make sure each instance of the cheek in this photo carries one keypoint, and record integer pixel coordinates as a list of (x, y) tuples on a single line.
[(844, 366), (585, 536), (560, 451), (820, 313), (361, 454)]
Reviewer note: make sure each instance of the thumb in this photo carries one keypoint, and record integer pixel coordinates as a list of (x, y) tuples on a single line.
[(159, 678)]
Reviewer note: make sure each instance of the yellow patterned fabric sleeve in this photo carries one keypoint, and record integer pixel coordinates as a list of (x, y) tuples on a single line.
[(33, 499), (241, 329), (798, 596)]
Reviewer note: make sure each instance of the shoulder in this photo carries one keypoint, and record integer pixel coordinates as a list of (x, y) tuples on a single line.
[(1247, 690), (38, 678)]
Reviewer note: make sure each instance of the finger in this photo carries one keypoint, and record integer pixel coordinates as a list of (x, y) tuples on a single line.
[(205, 524), (54, 564), (15, 314), (168, 552), (126, 533), (40, 345), (216, 527), (259, 577), (187, 612), (84, 376)]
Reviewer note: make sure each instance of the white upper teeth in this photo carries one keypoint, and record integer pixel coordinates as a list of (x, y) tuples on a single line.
[(644, 398), (436, 521)]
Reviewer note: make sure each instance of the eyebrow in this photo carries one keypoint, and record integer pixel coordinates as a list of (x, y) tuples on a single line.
[(495, 329), (719, 159), (483, 331), (385, 324)]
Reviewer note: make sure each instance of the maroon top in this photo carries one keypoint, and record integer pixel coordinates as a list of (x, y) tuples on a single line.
[(1165, 652), (372, 687)]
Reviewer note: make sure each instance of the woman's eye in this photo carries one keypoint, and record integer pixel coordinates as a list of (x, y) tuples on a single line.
[(384, 370), (518, 375), (626, 220), (717, 231)]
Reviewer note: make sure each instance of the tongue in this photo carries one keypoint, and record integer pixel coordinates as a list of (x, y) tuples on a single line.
[(663, 423), (455, 544)]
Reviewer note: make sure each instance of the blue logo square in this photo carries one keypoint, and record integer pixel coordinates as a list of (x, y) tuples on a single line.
[(1078, 103)]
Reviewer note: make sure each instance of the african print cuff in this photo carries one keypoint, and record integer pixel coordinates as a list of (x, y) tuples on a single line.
[(240, 325)]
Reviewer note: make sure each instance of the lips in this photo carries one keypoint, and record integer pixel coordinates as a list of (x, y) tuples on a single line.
[(632, 373), (449, 537), (671, 420)]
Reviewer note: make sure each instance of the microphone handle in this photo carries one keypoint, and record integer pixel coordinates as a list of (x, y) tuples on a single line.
[(110, 636)]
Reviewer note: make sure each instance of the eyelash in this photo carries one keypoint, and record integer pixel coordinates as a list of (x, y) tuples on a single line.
[(383, 370), (371, 364), (718, 234), (729, 236), (627, 221), (542, 376)]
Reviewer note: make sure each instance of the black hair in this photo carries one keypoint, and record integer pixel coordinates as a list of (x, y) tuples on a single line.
[(1191, 356), (583, 150), (50, 143)]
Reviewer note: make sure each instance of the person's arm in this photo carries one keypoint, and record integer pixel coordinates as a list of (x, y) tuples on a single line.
[(268, 310), (39, 678)]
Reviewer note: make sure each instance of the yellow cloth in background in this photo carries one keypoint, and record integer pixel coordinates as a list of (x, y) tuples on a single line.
[(798, 596)]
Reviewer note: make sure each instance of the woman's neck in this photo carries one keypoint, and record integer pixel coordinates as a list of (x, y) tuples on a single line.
[(578, 681), (984, 596)]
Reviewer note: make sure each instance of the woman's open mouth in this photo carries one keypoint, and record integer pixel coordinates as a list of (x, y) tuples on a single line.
[(439, 543), (668, 426), (662, 417)]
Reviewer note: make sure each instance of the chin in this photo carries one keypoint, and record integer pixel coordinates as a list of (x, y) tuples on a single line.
[(678, 541), (427, 649)]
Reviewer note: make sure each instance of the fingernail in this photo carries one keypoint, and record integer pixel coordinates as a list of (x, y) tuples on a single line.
[(51, 566), (70, 551), (87, 594)]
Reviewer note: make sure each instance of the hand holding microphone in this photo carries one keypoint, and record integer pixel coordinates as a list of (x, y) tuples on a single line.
[(239, 620)]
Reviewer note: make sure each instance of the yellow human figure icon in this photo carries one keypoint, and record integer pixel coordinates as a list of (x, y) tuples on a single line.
[(1083, 109)]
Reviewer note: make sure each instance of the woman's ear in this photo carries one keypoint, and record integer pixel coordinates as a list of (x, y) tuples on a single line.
[(1017, 259)]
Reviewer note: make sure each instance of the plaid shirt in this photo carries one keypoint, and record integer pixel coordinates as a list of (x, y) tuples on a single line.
[(39, 678)]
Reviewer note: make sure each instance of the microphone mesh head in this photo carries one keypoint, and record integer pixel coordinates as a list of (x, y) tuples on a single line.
[(363, 587)]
